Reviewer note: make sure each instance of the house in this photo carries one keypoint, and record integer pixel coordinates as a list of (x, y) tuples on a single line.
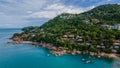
[(80, 40), (98, 46), (42, 32), (117, 26), (65, 36), (33, 35), (64, 17), (79, 37), (88, 44), (73, 41), (86, 21), (103, 47), (70, 16), (32, 31), (71, 36), (24, 35), (116, 47), (95, 20), (116, 42), (114, 51), (102, 44), (112, 27), (106, 26)]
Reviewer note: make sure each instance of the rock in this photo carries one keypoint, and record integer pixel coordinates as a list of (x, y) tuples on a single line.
[(99, 56), (17, 42), (92, 54), (43, 45), (73, 53), (78, 52), (54, 48)]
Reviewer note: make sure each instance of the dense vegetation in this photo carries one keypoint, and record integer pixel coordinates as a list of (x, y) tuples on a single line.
[(79, 31)]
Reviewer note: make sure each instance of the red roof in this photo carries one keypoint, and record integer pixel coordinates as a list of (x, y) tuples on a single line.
[(116, 41)]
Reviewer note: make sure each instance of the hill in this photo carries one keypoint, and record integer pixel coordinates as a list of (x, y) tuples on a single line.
[(97, 30)]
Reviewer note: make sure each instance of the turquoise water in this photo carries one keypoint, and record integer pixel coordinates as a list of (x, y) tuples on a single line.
[(29, 56)]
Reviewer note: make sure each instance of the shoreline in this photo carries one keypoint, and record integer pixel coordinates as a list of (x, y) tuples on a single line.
[(58, 51)]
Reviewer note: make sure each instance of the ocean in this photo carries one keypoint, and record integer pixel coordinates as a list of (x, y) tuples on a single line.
[(29, 56)]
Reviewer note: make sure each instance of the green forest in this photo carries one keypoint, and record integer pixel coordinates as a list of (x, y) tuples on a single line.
[(88, 31)]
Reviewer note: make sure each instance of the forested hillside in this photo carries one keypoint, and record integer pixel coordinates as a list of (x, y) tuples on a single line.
[(95, 30)]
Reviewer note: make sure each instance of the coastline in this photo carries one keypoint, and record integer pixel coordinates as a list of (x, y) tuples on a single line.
[(58, 51)]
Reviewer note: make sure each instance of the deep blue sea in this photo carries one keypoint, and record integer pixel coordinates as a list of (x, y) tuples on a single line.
[(29, 56)]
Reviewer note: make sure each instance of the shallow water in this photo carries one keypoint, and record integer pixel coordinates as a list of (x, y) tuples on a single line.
[(29, 56)]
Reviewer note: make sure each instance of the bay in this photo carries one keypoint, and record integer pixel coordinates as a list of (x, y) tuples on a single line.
[(29, 56)]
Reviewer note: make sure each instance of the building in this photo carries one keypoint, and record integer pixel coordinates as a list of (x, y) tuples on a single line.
[(116, 42), (87, 21), (117, 26), (106, 26), (95, 20), (64, 17)]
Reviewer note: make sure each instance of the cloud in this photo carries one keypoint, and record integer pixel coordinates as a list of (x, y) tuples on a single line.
[(13, 11), (29, 12), (20, 13), (16, 7), (55, 9), (108, 0)]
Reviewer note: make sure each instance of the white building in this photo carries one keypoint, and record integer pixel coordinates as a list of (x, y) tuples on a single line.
[(117, 26)]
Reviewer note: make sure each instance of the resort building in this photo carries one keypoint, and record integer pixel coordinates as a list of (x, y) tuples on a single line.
[(116, 26)]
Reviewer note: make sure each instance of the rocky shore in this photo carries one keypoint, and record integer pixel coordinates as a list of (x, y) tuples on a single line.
[(58, 51)]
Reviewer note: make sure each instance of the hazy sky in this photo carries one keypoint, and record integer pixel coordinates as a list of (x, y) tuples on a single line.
[(21, 13)]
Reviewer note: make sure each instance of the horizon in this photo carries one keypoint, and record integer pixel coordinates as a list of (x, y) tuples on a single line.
[(23, 13)]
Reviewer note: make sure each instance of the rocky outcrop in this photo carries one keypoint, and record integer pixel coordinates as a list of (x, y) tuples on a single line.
[(58, 51)]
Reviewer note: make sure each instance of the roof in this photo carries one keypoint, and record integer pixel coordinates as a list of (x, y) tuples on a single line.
[(79, 37), (116, 46), (114, 51), (71, 35), (79, 40), (65, 36), (117, 24), (116, 41)]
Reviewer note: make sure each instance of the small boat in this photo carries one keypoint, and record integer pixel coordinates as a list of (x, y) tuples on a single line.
[(48, 54), (88, 61), (90, 57), (99, 56), (118, 64), (83, 59)]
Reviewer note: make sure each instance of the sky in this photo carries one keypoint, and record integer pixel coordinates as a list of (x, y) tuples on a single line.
[(22, 13)]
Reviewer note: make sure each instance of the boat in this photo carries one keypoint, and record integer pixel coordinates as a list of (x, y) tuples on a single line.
[(83, 59), (48, 54), (88, 61)]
